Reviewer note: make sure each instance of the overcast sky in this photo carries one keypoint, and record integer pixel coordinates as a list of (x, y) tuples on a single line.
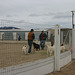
[(45, 12)]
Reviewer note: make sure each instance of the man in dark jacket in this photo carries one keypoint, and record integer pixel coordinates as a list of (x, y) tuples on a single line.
[(42, 38), (19, 38), (31, 37)]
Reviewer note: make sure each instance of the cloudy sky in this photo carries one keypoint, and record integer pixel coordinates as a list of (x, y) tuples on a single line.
[(45, 13)]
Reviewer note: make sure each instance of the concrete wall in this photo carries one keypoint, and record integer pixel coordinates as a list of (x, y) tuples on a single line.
[(39, 67)]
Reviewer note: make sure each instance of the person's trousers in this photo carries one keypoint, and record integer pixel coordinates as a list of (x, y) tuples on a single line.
[(42, 44), (30, 42)]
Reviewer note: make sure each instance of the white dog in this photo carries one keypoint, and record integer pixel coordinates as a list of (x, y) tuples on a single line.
[(50, 49), (62, 48), (24, 49)]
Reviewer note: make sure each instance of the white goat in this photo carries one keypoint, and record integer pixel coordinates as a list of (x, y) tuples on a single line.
[(24, 49)]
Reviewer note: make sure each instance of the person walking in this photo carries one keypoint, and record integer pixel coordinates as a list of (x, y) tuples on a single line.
[(19, 38), (42, 38), (31, 37)]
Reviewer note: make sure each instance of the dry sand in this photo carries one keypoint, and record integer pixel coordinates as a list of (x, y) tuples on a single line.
[(11, 54)]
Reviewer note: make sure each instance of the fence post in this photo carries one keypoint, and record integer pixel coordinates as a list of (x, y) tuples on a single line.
[(61, 36), (73, 43), (57, 48), (70, 41)]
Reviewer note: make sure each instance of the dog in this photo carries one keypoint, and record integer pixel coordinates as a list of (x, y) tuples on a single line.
[(36, 46), (24, 49), (62, 48), (50, 49)]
